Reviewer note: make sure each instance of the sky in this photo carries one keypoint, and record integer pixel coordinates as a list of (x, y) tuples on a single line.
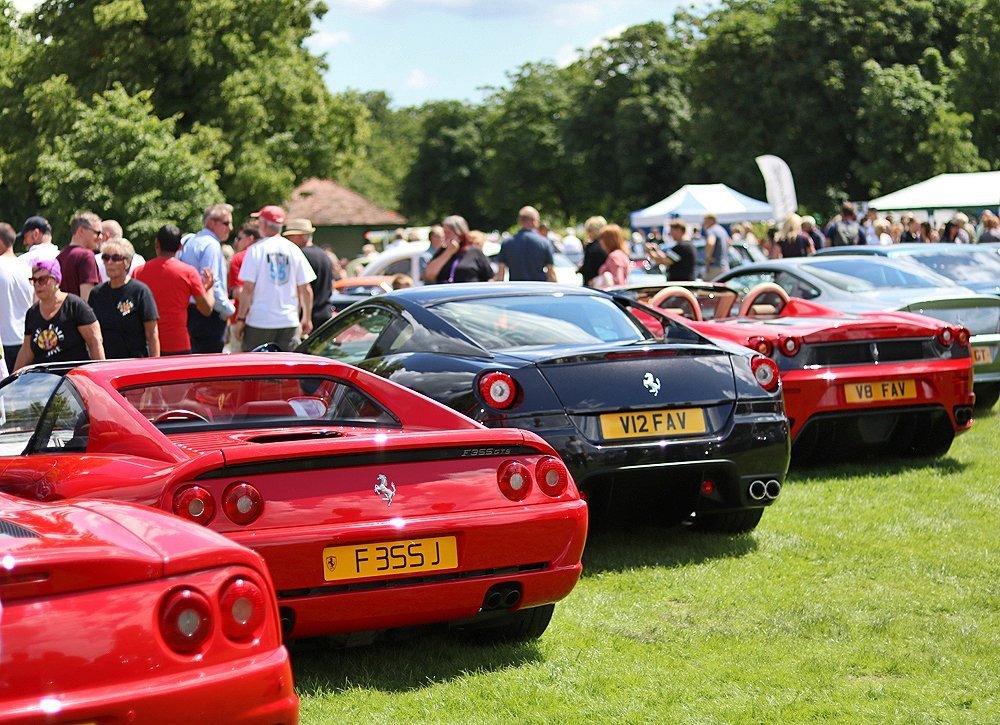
[(423, 50)]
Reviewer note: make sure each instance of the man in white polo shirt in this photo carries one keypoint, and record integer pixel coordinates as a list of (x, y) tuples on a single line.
[(276, 297)]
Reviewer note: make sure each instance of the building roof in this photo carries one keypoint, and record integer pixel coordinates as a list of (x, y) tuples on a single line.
[(328, 204)]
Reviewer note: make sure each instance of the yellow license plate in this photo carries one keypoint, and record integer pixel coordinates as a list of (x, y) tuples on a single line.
[(653, 423), (982, 355), (887, 390), (361, 561)]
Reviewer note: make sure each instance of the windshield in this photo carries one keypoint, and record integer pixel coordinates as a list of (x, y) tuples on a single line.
[(22, 402), (505, 323), (863, 274), (255, 403), (964, 266)]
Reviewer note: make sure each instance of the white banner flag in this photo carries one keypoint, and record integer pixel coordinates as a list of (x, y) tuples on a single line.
[(780, 185)]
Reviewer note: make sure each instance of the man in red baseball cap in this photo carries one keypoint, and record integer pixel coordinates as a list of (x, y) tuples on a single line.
[(271, 213)]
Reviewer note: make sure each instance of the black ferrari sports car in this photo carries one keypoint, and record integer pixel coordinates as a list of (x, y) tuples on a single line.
[(663, 421)]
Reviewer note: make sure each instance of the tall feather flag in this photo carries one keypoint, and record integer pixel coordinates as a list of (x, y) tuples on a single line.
[(780, 185)]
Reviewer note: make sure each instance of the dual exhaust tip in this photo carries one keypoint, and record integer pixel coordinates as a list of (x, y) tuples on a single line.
[(760, 491), (501, 596)]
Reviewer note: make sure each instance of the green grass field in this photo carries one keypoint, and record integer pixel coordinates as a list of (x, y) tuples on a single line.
[(869, 593)]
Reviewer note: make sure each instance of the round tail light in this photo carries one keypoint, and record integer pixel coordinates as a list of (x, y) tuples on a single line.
[(761, 345), (552, 476), (765, 371), (242, 503), (195, 504), (789, 346), (498, 390), (514, 480), (946, 336), (186, 620), (244, 610), (962, 336)]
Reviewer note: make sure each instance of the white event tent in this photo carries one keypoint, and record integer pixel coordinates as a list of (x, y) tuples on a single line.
[(692, 202), (978, 189)]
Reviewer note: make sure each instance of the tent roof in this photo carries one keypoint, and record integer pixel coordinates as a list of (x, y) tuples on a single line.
[(692, 201), (945, 191)]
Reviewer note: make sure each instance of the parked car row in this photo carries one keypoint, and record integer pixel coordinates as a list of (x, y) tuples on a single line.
[(430, 456)]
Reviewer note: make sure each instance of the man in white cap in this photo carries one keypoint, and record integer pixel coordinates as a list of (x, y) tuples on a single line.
[(276, 298), (204, 251)]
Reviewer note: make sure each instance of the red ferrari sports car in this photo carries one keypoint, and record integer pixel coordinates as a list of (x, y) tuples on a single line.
[(113, 613), (374, 507), (852, 383)]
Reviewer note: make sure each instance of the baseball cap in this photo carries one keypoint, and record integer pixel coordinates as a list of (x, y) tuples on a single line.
[(271, 213), (34, 222), (49, 265)]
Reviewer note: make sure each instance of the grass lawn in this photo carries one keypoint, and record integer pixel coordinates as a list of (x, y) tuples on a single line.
[(869, 593)]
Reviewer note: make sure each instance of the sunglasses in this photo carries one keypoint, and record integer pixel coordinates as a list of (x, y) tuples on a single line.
[(113, 257), (40, 280), (98, 232)]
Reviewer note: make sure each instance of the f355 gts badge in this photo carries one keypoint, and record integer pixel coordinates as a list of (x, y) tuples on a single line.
[(385, 489), (651, 384)]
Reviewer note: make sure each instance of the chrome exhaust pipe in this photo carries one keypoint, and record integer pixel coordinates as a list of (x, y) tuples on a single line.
[(511, 599), (771, 489), (758, 490), (494, 600)]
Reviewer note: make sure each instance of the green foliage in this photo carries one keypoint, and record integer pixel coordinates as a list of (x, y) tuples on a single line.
[(119, 158), (234, 76), (976, 82)]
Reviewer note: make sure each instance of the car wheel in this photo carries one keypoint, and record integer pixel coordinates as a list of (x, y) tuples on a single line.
[(933, 439), (520, 626), (737, 522), (987, 394)]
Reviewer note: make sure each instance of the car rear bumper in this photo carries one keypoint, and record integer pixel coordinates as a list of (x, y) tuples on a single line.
[(257, 689), (536, 546), (822, 393)]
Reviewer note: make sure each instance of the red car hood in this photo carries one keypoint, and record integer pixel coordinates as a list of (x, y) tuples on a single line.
[(48, 549)]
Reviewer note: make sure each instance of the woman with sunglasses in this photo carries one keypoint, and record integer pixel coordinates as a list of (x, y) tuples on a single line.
[(125, 307), (59, 327)]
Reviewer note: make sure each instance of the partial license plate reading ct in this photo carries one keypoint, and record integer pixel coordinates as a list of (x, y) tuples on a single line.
[(361, 561), (653, 423), (881, 390), (982, 355)]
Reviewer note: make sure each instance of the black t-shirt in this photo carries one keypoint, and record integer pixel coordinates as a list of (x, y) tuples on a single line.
[(322, 286), (594, 257), (795, 247), (58, 339), (122, 313), (470, 265), (683, 269)]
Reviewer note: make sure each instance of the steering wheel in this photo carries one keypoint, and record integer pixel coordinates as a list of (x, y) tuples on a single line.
[(675, 295), (174, 416), (762, 294)]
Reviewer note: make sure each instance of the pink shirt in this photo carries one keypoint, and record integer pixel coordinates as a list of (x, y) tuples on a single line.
[(617, 265)]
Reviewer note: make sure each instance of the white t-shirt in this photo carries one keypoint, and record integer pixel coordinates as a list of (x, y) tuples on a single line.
[(16, 296), (277, 268), (38, 252)]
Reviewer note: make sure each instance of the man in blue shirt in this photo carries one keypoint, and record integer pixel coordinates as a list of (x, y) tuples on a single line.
[(716, 247), (204, 251), (528, 255)]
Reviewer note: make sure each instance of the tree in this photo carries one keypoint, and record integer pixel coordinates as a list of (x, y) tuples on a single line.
[(976, 80), (119, 158)]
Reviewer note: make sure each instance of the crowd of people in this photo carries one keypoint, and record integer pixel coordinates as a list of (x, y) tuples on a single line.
[(97, 299)]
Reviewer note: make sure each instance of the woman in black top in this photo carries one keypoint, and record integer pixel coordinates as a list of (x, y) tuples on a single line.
[(59, 327), (459, 260), (594, 255), (125, 307)]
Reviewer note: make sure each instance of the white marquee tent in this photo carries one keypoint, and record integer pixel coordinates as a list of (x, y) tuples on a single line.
[(692, 202), (946, 191)]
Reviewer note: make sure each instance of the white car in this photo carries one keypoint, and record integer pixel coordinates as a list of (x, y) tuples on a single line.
[(404, 258)]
